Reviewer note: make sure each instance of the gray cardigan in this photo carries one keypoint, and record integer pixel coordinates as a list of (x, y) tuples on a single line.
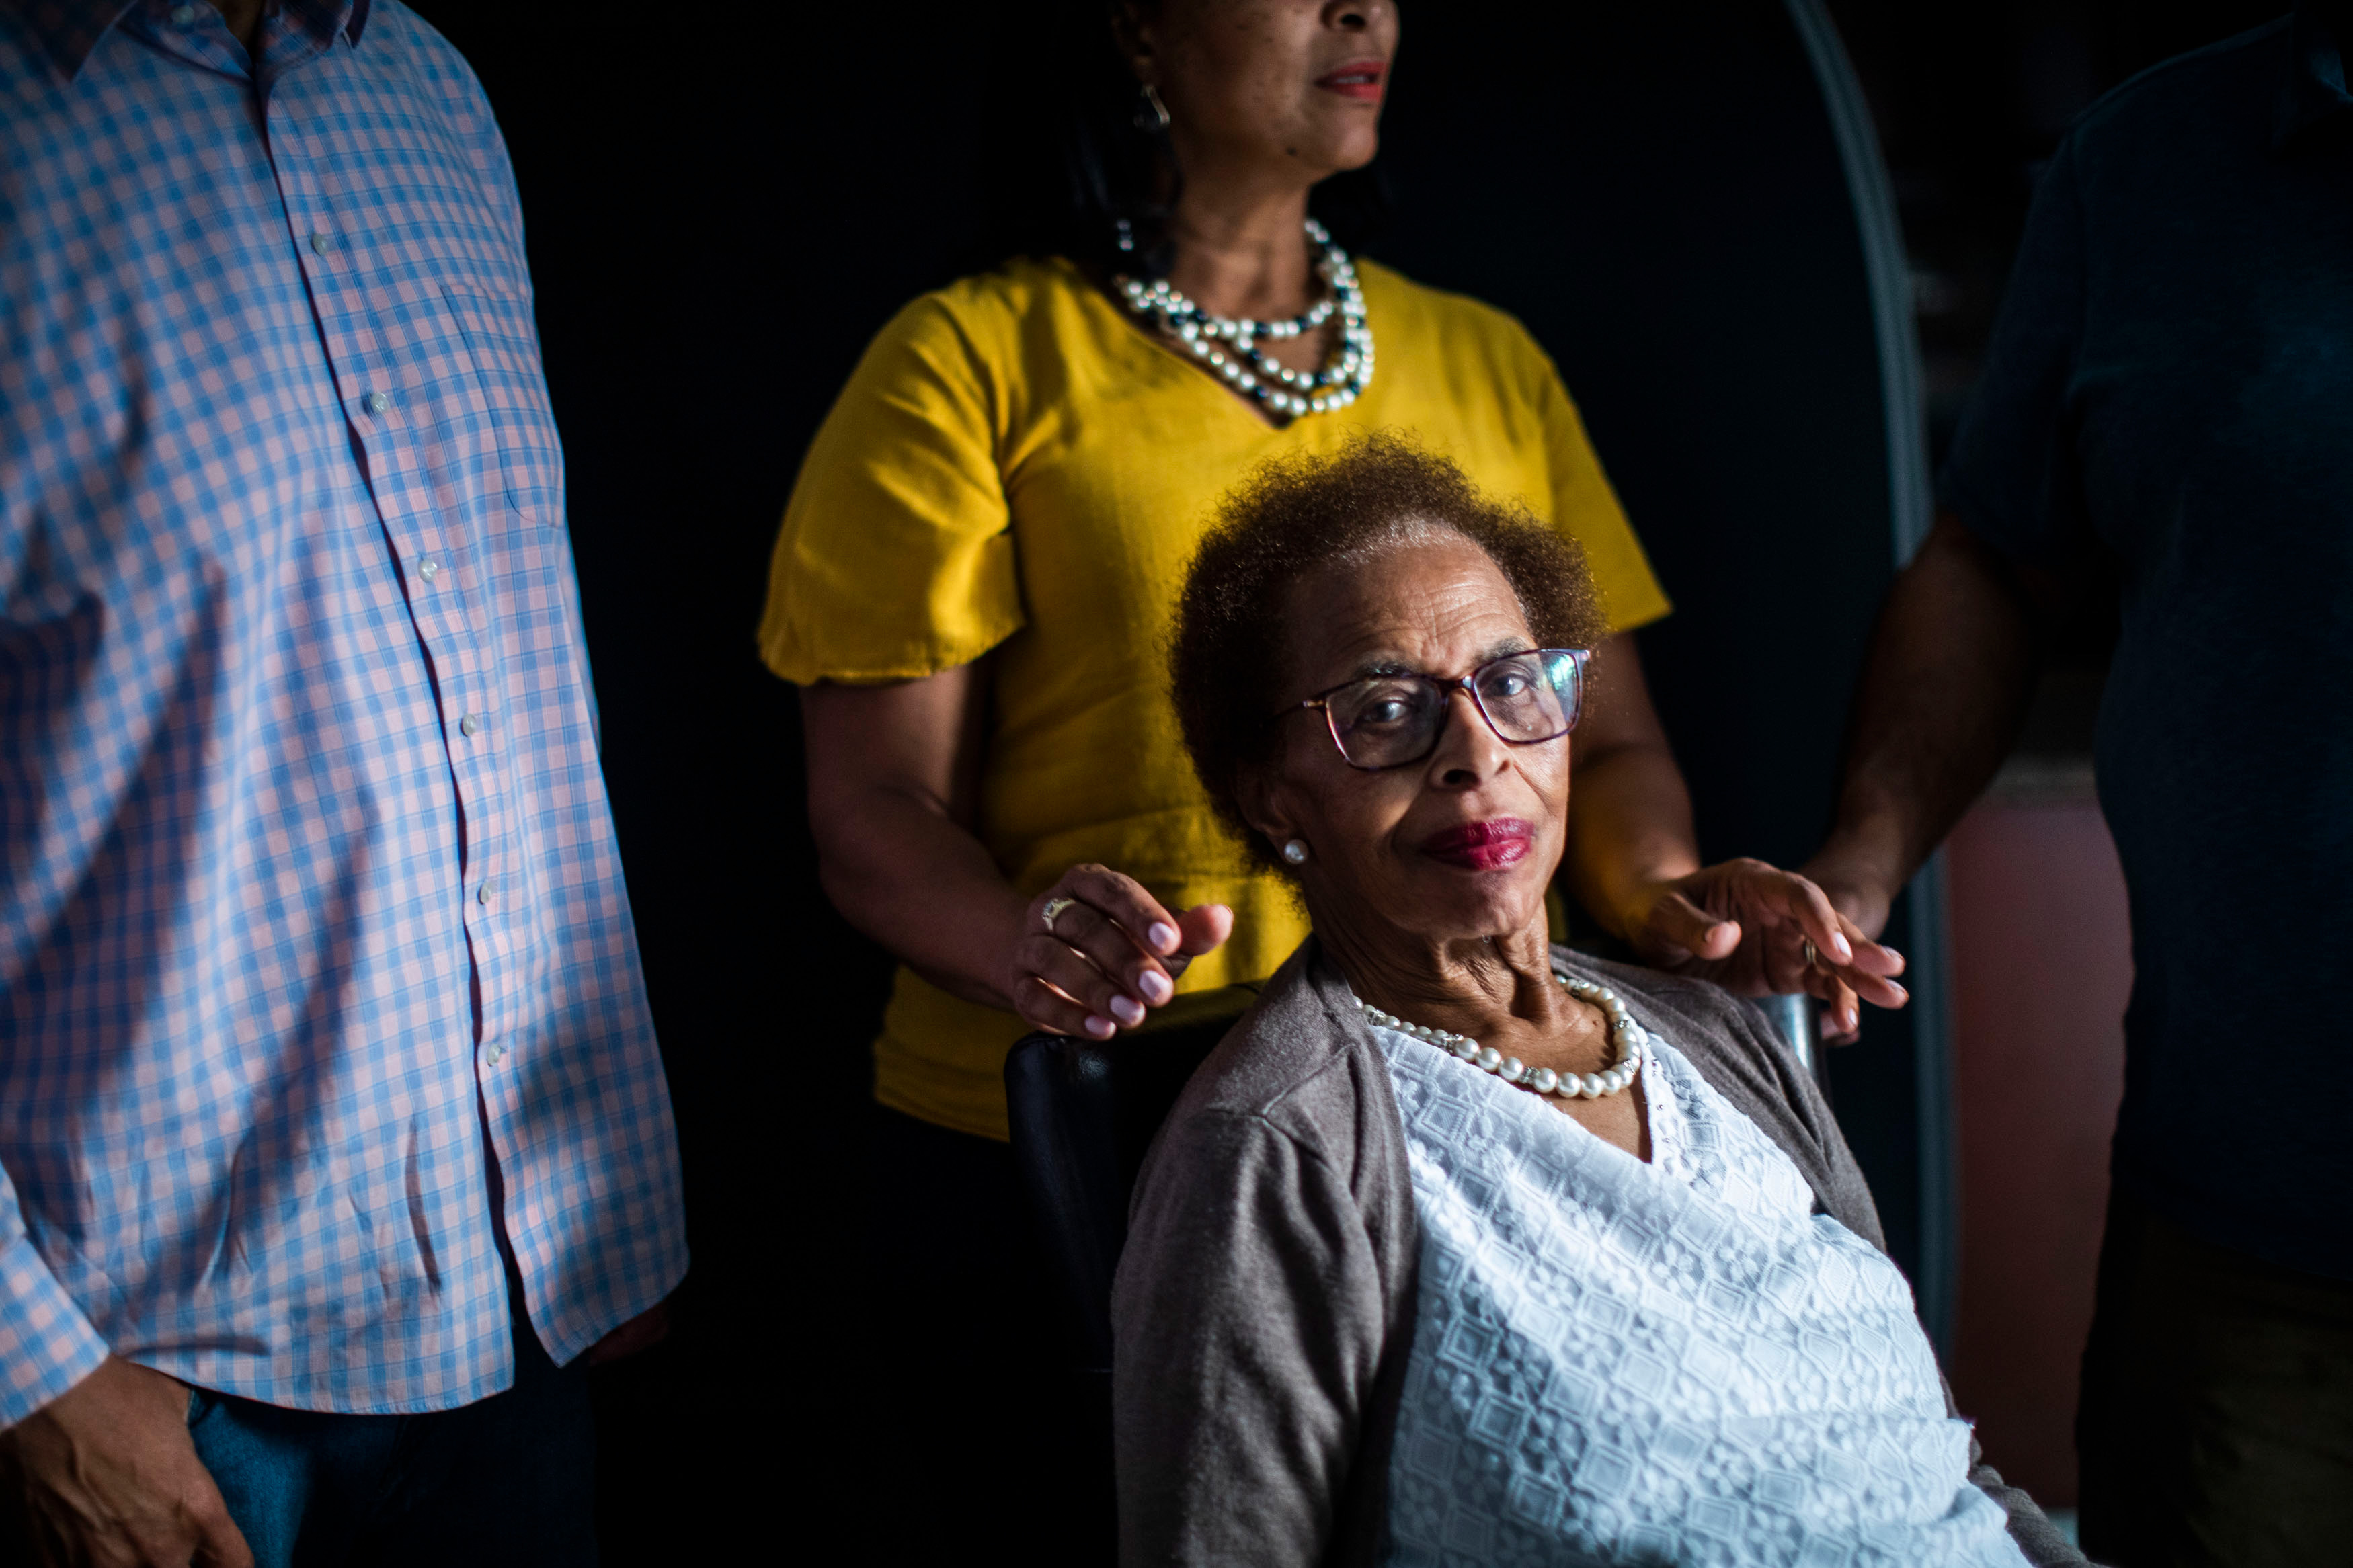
[(1264, 1308)]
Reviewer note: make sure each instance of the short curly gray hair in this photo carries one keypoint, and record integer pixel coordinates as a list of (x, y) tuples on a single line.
[(1294, 516)]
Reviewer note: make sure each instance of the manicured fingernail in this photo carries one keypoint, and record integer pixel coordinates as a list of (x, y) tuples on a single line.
[(1848, 1022), (1901, 994), (1127, 1010), (1100, 1027), (1840, 946), (1154, 986), (1162, 936)]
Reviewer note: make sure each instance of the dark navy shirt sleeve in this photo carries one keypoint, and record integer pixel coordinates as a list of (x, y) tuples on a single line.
[(2012, 475)]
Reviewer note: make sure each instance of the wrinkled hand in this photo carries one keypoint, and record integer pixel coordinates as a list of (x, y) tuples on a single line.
[(1744, 924), (105, 1475), (1114, 952)]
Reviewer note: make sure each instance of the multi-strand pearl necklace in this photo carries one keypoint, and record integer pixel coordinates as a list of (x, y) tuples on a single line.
[(1627, 1035), (1231, 348)]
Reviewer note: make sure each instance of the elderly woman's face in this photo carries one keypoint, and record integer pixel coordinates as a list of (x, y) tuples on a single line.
[(1462, 843)]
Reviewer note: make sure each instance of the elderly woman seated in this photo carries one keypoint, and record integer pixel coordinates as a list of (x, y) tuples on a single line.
[(1463, 1247)]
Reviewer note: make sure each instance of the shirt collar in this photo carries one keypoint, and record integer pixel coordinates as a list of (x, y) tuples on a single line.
[(2315, 92), (69, 29)]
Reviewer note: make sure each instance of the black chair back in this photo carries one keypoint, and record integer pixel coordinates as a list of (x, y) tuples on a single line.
[(1082, 1115)]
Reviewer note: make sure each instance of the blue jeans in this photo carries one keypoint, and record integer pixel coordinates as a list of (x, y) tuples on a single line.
[(507, 1480)]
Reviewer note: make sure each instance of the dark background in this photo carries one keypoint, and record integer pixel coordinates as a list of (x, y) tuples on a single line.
[(719, 217)]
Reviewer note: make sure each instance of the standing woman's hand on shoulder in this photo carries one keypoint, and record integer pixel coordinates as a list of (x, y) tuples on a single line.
[(1100, 952), (892, 783)]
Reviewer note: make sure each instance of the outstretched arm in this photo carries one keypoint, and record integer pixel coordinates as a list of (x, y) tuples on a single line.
[(892, 778), (1634, 861), (1630, 820), (1945, 689)]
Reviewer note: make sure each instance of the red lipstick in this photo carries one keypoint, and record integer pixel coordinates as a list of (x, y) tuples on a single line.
[(1359, 80), (1482, 846)]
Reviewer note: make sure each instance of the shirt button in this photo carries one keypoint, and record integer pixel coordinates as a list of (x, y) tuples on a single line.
[(319, 242), (483, 895), (429, 569), (376, 402), (467, 726), (494, 1054)]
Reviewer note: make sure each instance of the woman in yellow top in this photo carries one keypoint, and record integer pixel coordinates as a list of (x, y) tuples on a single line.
[(983, 551)]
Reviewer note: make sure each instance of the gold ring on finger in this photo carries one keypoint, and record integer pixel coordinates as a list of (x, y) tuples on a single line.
[(1055, 906)]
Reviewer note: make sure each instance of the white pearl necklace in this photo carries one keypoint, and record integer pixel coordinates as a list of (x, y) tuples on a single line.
[(1230, 346), (1628, 1036)]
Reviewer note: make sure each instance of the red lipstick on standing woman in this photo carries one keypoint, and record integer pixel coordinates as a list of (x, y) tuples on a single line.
[(1359, 80)]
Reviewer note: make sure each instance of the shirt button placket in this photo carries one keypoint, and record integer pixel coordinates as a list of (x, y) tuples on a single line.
[(493, 1052)]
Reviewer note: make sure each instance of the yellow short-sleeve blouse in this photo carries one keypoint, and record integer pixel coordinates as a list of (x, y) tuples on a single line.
[(1017, 466)]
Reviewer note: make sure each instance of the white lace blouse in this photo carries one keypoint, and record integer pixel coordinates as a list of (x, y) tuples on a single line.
[(1672, 1363)]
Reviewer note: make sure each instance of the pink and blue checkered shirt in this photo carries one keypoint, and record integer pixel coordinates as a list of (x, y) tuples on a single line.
[(309, 905)]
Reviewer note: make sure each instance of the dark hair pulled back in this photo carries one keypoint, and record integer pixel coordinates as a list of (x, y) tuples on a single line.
[(1084, 154)]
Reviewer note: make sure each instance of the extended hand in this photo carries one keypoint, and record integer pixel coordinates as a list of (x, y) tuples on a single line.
[(1111, 952), (1855, 884), (105, 1475), (1745, 924)]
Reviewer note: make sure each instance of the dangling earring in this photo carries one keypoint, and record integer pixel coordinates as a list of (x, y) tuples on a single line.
[(1154, 115), (1296, 852)]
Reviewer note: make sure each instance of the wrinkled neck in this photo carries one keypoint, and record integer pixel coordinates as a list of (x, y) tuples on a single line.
[(1468, 985)]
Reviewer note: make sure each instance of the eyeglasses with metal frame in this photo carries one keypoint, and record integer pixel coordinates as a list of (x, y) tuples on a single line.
[(1390, 719)]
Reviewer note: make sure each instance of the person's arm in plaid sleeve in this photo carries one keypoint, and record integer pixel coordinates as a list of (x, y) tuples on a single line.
[(96, 1455), (46, 1345)]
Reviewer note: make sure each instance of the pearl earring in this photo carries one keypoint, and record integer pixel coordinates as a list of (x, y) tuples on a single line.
[(1296, 852)]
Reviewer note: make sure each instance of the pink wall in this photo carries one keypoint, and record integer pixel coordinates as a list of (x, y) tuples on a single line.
[(2042, 966)]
